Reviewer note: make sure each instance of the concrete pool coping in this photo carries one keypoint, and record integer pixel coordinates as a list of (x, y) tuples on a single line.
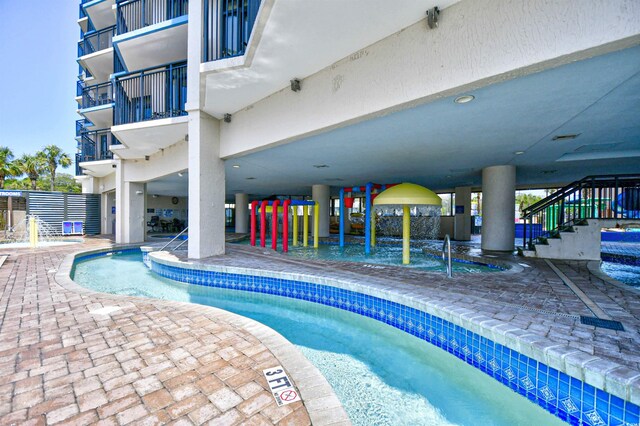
[(318, 397), (604, 374)]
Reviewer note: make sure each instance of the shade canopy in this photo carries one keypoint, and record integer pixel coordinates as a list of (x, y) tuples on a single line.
[(408, 193)]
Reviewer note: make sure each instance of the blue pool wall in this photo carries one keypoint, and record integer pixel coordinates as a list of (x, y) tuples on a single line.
[(570, 399)]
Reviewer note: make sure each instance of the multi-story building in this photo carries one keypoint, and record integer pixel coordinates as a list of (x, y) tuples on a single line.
[(207, 101)]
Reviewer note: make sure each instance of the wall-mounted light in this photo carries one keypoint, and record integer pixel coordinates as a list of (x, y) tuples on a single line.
[(180, 174), (227, 118), (236, 166), (155, 195), (146, 158), (139, 192), (295, 85), (519, 152), (432, 17)]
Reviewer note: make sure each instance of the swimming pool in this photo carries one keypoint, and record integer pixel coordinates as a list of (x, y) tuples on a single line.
[(383, 254), (381, 374)]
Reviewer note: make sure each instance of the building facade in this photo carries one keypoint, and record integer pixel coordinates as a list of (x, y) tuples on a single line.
[(207, 102)]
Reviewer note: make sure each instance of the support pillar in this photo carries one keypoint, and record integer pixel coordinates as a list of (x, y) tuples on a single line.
[(462, 211), (242, 213), (206, 187), (498, 208), (130, 208), (320, 193)]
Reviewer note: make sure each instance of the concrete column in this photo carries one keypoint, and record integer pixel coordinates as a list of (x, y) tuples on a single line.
[(498, 208), (130, 209), (462, 214), (206, 187), (320, 193), (242, 213)]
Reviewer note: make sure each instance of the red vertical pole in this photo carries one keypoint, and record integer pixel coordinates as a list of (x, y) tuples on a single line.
[(254, 207), (274, 225), (263, 223), (285, 225)]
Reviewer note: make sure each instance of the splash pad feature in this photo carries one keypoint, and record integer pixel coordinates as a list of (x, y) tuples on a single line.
[(347, 203), (274, 207), (407, 195)]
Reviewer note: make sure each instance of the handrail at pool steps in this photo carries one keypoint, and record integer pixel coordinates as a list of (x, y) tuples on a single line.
[(175, 238), (446, 255), (594, 197)]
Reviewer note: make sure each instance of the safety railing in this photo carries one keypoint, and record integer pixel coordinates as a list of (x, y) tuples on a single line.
[(175, 238), (79, 87), (100, 94), (594, 197), (95, 41), (151, 95), (81, 125), (446, 255), (118, 66), (228, 27), (136, 14), (94, 145)]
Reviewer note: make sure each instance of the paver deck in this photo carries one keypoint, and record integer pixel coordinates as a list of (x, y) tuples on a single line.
[(153, 361), (146, 362)]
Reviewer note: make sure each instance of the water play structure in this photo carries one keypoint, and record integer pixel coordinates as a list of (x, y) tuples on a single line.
[(274, 207), (32, 232), (371, 191), (406, 195)]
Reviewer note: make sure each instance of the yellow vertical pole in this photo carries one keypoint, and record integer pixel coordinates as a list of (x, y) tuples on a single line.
[(295, 226), (406, 233), (33, 239), (305, 226), (316, 224), (373, 227)]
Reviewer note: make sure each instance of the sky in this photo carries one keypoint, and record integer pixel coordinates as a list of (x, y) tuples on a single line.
[(38, 76)]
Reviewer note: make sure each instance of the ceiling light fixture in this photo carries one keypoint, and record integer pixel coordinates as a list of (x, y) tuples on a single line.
[(236, 166), (320, 166), (519, 152), (180, 174), (251, 178), (295, 85), (464, 99)]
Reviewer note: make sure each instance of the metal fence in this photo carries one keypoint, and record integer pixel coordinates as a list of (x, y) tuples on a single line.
[(56, 207), (100, 94), (96, 41), (135, 14), (228, 27), (151, 95)]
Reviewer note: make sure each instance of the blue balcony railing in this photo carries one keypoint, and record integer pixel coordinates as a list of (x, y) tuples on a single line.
[(79, 87), (135, 14), (100, 94), (81, 125), (94, 146), (118, 66), (151, 95), (95, 41), (228, 27)]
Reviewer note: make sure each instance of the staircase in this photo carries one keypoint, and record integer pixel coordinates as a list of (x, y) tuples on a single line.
[(567, 223)]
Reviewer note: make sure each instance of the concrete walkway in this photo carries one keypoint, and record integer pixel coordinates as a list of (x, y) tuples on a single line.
[(74, 357)]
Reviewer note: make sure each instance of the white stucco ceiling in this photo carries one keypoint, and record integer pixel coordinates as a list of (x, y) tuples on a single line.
[(101, 13), (153, 47), (148, 137), (444, 144), (299, 38)]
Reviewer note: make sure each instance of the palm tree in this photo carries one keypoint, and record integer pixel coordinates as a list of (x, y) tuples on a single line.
[(54, 157), (32, 166), (7, 165)]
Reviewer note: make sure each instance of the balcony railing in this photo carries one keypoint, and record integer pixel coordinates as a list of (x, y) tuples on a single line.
[(151, 95), (94, 146), (79, 87), (135, 14), (96, 41), (100, 94), (81, 125), (228, 27)]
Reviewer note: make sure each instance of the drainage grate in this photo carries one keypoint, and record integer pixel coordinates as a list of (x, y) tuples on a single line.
[(597, 322)]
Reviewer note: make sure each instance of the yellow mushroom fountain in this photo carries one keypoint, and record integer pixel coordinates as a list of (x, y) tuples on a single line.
[(407, 195)]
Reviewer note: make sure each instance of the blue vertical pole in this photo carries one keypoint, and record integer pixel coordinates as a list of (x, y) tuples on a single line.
[(341, 217), (367, 220)]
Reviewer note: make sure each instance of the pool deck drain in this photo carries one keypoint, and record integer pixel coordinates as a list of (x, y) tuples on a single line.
[(170, 362)]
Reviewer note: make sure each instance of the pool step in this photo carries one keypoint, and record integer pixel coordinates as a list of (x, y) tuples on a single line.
[(3, 257), (580, 241)]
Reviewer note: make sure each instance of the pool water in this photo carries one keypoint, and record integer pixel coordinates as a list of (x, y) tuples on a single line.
[(382, 375), (380, 255), (628, 274)]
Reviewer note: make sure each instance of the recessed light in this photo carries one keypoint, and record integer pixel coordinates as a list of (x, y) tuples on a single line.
[(180, 174), (250, 178), (320, 166), (464, 99), (548, 172), (565, 137), (519, 152), (236, 166)]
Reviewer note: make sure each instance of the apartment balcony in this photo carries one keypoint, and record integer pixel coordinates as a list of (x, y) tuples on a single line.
[(228, 27), (150, 111), (95, 53), (94, 156), (82, 126), (99, 12), (97, 104), (151, 32)]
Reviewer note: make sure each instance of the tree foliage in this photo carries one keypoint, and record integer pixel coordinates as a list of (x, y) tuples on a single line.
[(37, 171)]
